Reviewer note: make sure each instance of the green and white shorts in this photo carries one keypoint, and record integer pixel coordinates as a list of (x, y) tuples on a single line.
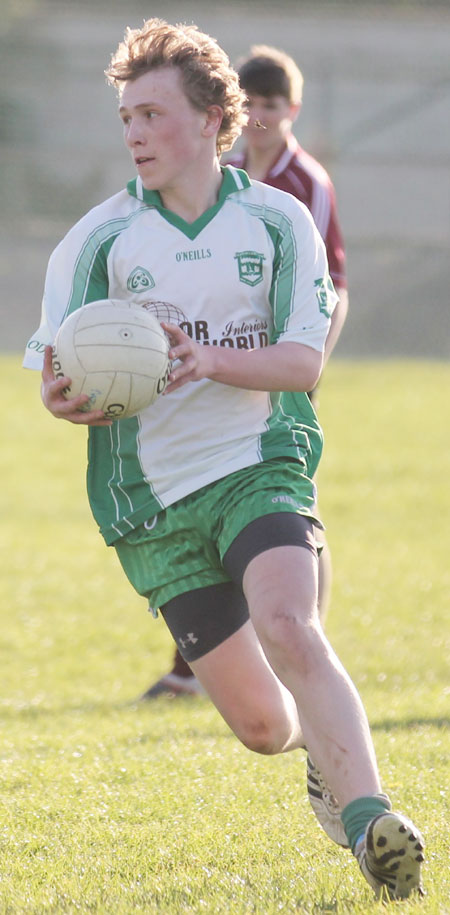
[(184, 547)]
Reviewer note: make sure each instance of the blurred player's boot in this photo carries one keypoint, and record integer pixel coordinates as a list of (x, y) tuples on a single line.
[(324, 804), (390, 856), (173, 685), (179, 682)]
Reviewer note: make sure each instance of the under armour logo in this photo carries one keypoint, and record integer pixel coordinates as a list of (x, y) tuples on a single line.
[(189, 638)]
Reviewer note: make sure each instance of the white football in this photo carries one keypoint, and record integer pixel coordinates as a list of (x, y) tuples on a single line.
[(116, 352)]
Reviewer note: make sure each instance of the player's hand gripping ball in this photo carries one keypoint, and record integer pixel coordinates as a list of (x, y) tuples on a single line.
[(116, 352)]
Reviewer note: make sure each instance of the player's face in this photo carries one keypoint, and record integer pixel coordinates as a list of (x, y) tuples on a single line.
[(276, 115), (161, 128)]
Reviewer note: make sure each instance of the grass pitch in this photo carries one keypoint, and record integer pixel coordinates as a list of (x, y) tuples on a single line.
[(109, 806)]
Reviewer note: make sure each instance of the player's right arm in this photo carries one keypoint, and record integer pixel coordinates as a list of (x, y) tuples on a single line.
[(76, 274), (77, 271), (53, 398)]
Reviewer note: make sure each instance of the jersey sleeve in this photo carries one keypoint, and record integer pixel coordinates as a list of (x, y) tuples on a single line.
[(302, 293), (76, 274)]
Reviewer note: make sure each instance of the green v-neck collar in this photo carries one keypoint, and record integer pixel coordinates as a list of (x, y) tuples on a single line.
[(234, 180)]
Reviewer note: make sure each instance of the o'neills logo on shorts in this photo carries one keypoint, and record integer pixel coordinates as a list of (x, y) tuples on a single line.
[(287, 500), (250, 265)]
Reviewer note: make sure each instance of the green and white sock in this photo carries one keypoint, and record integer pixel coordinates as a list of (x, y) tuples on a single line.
[(356, 815)]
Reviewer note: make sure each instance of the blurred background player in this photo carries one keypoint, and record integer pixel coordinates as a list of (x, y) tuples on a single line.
[(274, 87)]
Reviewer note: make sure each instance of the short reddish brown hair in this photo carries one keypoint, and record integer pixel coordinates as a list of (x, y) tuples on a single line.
[(207, 75)]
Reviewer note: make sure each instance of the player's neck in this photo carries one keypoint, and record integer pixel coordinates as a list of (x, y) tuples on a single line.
[(195, 194), (258, 162)]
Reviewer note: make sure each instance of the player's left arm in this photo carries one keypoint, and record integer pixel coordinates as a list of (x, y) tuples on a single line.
[(338, 319), (287, 366), (302, 300)]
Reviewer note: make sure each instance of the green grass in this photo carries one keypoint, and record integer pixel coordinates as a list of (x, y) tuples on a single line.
[(109, 806)]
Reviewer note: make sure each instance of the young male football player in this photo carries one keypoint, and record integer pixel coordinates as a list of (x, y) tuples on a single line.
[(207, 495), (273, 85)]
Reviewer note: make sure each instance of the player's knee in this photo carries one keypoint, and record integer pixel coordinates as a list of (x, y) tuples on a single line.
[(291, 639), (262, 736)]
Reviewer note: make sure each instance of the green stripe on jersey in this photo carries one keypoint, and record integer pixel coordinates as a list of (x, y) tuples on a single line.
[(280, 229), (293, 416), (115, 446), (89, 284), (291, 411), (90, 276), (296, 407)]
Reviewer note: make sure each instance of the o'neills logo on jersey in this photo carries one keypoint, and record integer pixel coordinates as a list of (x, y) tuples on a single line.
[(140, 280), (250, 265)]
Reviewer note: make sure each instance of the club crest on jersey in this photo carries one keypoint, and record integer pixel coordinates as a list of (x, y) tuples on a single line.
[(140, 280), (250, 265), (322, 295)]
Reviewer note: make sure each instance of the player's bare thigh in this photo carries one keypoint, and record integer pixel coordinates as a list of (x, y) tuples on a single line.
[(245, 690), (281, 588)]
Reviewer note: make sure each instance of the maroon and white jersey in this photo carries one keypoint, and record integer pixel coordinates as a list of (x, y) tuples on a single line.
[(298, 173)]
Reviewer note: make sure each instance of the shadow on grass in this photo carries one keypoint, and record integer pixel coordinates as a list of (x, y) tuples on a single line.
[(34, 711), (406, 724)]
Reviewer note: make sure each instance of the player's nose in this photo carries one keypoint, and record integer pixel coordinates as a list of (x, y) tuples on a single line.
[(134, 134)]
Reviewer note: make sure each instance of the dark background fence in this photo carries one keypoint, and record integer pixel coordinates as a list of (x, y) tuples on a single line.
[(376, 112)]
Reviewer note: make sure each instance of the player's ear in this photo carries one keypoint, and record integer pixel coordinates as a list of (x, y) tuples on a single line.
[(213, 120), (294, 111)]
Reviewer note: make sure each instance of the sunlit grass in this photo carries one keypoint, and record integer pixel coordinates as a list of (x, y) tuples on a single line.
[(111, 806)]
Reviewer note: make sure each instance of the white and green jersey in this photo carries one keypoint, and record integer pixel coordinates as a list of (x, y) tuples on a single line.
[(250, 272)]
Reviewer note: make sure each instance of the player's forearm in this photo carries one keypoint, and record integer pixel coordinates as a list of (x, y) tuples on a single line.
[(337, 322), (281, 367)]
